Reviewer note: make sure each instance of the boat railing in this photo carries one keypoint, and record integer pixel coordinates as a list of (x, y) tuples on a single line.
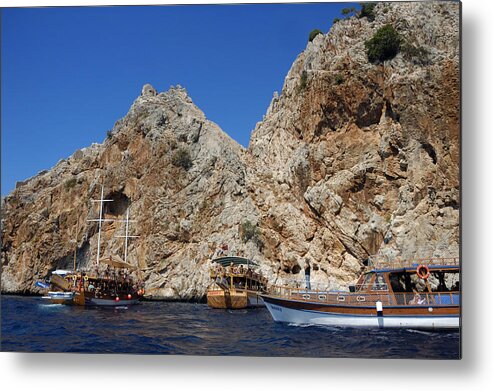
[(301, 284), (320, 286), (366, 299), (396, 263), (236, 273), (376, 286)]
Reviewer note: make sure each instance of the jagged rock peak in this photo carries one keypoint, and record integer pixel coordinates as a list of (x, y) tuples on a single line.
[(179, 92), (176, 98), (148, 90)]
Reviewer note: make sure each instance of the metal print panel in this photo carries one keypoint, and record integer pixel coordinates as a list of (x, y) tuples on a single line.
[(323, 223)]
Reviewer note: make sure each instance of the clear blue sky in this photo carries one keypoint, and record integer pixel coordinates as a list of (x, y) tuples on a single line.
[(69, 73)]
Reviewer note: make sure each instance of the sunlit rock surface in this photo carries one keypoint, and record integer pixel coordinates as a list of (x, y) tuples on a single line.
[(352, 160)]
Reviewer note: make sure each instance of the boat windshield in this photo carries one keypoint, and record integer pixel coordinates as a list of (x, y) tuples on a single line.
[(379, 283), (438, 281)]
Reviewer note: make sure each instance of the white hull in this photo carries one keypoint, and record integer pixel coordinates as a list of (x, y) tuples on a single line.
[(59, 297), (305, 317)]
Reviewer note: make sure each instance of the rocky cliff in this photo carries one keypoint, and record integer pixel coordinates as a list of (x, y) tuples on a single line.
[(352, 160)]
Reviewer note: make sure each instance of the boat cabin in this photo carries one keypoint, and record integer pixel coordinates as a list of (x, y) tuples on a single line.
[(235, 283), (430, 281), (237, 273)]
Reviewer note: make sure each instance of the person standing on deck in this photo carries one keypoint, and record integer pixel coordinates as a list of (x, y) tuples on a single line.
[(307, 274)]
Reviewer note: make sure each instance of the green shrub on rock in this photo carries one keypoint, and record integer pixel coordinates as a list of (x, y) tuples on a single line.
[(348, 11), (181, 158), (313, 34), (303, 81), (384, 45), (70, 183), (339, 79), (416, 54), (368, 11), (249, 231)]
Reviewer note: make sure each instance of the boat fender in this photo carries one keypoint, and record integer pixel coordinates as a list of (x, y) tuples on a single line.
[(379, 308), (423, 272), (117, 299), (129, 296)]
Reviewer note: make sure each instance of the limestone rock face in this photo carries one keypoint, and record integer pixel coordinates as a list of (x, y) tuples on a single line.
[(363, 159), (352, 161)]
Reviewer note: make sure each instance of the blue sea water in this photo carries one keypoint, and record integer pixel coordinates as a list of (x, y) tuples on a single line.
[(29, 324)]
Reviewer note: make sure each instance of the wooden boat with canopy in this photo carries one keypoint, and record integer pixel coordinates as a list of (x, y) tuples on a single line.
[(235, 284), (115, 286), (420, 294)]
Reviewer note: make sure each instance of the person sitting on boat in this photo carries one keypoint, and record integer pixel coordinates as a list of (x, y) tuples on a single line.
[(308, 269), (417, 299)]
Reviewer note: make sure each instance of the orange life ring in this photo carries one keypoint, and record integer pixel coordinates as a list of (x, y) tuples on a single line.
[(423, 268)]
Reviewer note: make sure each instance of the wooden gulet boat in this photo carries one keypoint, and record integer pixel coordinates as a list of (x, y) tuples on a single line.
[(235, 284), (423, 294), (114, 287)]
